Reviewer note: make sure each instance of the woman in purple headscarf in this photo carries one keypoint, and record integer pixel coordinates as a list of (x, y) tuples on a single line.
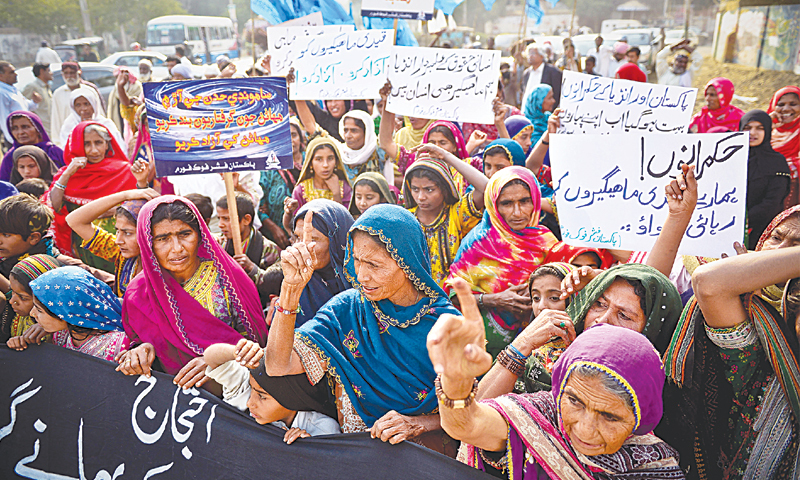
[(596, 423), (190, 294), (27, 129)]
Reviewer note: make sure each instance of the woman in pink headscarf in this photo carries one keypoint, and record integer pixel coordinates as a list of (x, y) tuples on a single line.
[(718, 111), (189, 295)]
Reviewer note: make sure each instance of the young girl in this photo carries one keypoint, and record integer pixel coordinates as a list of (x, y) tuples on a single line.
[(370, 188), (17, 320), (323, 174), (82, 313), (120, 248), (31, 161)]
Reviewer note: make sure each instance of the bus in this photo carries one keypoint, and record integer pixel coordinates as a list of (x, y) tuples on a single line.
[(164, 33)]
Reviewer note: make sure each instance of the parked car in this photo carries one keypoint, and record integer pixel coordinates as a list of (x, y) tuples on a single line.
[(132, 59), (101, 75), (676, 35)]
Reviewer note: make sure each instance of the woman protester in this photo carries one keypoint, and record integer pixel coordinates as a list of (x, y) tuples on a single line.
[(96, 166), (733, 399), (31, 161), (86, 108), (330, 224), (718, 111), (596, 423), (768, 176), (410, 135), (27, 129), (360, 151), (329, 117), (785, 112), (367, 341), (370, 189), (632, 72), (498, 256), (537, 109), (782, 232), (189, 295)]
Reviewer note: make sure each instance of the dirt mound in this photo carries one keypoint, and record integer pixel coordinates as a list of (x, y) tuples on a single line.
[(749, 82)]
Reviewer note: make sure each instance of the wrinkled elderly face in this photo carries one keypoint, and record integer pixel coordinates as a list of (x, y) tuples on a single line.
[(786, 234), (712, 99), (680, 64), (618, 305), (84, 109), (596, 420), (321, 244), (377, 272), (175, 246), (354, 135)]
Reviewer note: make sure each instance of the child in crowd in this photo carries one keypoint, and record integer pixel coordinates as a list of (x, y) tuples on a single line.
[(24, 223), (203, 204), (34, 187), (445, 214), (259, 252), (246, 385), (82, 313), (121, 248), (24, 226), (16, 319)]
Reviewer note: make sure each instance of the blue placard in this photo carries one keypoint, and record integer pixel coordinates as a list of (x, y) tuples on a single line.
[(219, 125)]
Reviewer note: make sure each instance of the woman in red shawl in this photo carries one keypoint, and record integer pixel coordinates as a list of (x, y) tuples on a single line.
[(189, 295), (95, 166), (718, 111), (785, 112)]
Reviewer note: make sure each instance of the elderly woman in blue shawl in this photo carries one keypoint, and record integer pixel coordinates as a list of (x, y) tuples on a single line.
[(370, 340), (539, 105), (331, 221)]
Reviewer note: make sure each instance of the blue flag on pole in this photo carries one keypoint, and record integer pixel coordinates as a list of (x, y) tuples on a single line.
[(279, 11)]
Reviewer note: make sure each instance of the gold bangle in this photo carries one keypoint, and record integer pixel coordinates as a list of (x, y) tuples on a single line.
[(449, 402)]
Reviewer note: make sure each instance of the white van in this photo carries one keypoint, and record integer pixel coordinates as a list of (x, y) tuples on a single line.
[(607, 26)]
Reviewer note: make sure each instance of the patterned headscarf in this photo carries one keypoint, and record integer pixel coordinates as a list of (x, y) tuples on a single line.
[(461, 145), (512, 150), (76, 297), (517, 124), (726, 116), (435, 166), (626, 357), (773, 294), (133, 207), (493, 257), (662, 302), (32, 267)]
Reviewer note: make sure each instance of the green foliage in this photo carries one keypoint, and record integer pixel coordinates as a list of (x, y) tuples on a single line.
[(39, 16)]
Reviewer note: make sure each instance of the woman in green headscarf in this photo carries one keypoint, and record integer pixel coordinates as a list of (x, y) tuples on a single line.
[(634, 296)]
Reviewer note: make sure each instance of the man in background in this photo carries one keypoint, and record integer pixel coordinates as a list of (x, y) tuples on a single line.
[(41, 87)]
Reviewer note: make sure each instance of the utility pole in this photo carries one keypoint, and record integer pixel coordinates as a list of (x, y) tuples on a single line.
[(687, 6), (87, 21)]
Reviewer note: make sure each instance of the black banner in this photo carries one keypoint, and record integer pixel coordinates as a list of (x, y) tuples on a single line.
[(67, 416)]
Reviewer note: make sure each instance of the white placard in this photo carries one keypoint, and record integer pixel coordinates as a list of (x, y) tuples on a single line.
[(610, 189), (284, 43), (310, 20), (443, 83), (592, 104), (408, 9), (346, 66)]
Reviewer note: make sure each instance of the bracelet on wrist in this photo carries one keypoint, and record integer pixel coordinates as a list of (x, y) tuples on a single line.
[(480, 300), (514, 352), (59, 186), (511, 364), (449, 402), (545, 143), (279, 309)]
